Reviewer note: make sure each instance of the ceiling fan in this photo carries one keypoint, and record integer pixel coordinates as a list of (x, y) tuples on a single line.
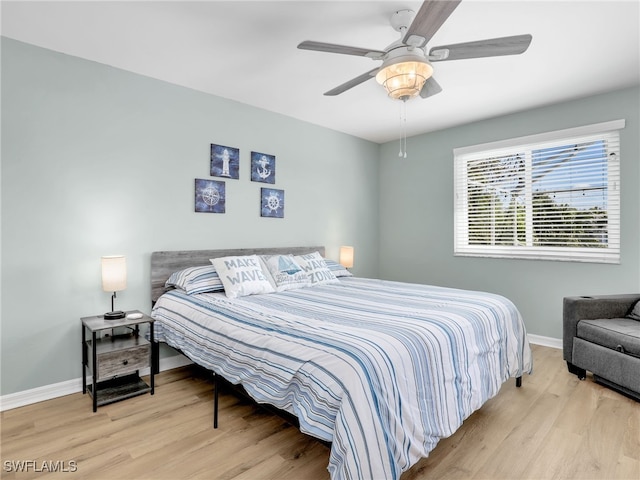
[(406, 69)]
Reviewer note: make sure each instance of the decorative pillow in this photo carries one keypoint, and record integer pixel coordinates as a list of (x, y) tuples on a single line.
[(196, 280), (242, 276), (316, 269), (337, 269), (635, 311), (285, 272)]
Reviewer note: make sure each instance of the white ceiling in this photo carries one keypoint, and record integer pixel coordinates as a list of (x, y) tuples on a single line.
[(246, 51)]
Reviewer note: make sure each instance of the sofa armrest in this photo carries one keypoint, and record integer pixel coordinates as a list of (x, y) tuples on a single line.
[(590, 308)]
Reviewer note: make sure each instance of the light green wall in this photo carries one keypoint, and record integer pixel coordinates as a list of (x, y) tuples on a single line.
[(416, 214), (99, 161)]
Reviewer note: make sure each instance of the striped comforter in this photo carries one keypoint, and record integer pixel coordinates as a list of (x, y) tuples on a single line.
[(381, 369)]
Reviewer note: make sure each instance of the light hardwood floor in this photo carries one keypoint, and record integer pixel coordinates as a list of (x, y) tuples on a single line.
[(554, 427)]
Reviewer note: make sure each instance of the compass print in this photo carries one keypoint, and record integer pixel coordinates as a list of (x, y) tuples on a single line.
[(271, 202), (210, 196)]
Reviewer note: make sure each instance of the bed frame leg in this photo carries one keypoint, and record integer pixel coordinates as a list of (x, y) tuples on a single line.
[(215, 400), (518, 382)]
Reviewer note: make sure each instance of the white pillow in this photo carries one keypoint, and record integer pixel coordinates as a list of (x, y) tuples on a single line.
[(242, 276), (196, 280), (316, 269), (285, 272), (337, 269)]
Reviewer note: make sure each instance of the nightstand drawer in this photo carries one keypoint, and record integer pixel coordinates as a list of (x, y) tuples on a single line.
[(121, 362), (119, 355)]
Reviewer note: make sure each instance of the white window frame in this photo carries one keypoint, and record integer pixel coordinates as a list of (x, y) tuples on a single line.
[(609, 254)]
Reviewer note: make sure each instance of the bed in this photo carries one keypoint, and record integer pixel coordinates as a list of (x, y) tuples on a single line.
[(380, 369)]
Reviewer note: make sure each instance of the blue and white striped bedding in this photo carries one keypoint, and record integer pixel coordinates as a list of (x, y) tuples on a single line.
[(381, 369)]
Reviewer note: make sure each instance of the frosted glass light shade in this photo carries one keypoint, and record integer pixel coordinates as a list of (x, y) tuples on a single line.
[(404, 79), (346, 256), (114, 273)]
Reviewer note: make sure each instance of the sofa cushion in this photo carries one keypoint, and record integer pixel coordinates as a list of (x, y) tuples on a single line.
[(622, 334), (619, 369)]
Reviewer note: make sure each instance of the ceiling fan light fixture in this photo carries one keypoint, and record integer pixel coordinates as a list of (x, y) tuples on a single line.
[(403, 77)]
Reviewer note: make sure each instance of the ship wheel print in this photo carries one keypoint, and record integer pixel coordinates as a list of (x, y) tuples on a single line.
[(273, 202)]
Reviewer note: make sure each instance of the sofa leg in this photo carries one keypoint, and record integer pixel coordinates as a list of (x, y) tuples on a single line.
[(580, 372), (518, 382)]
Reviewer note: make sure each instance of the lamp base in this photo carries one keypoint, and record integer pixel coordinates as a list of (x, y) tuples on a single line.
[(114, 315)]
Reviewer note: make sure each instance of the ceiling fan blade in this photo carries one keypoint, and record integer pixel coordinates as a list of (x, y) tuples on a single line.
[(345, 49), (493, 47), (351, 83), (430, 88), (430, 17)]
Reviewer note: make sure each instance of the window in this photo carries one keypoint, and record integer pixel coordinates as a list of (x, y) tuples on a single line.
[(552, 196)]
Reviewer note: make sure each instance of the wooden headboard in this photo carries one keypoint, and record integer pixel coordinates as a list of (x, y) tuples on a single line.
[(163, 264)]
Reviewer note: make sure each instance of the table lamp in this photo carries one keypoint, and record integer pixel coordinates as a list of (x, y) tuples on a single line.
[(114, 279), (346, 256)]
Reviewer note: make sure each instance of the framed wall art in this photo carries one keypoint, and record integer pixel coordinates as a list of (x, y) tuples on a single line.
[(271, 203), (210, 196), (225, 161), (263, 167)]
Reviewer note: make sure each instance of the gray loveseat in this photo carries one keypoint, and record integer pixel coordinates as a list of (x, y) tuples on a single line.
[(598, 337)]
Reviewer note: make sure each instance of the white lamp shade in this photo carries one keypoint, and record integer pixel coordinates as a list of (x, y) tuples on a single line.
[(346, 256), (114, 273)]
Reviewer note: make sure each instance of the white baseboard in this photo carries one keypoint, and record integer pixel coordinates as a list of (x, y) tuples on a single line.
[(545, 341), (47, 392)]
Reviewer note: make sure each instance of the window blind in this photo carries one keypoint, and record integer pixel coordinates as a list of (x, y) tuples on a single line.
[(553, 196)]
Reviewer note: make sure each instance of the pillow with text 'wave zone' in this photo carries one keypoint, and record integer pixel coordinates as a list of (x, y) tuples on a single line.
[(242, 275), (286, 273), (316, 269)]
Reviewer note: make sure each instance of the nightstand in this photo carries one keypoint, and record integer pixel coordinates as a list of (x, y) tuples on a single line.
[(115, 361)]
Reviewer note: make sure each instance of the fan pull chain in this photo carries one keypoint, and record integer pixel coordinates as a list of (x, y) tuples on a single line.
[(403, 129), (400, 152), (404, 125)]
